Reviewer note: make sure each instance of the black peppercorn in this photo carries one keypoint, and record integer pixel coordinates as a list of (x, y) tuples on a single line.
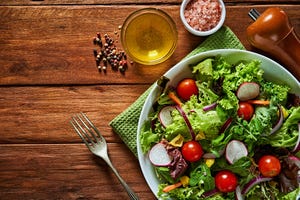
[(99, 35), (109, 54), (95, 52)]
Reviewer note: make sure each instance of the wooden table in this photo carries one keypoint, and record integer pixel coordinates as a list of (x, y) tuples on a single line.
[(48, 73)]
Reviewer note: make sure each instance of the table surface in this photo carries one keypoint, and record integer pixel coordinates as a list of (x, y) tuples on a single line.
[(48, 73)]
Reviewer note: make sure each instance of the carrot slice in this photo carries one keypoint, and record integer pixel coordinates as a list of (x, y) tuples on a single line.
[(176, 100), (259, 102), (172, 187)]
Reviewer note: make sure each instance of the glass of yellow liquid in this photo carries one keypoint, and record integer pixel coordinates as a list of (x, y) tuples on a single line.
[(149, 36)]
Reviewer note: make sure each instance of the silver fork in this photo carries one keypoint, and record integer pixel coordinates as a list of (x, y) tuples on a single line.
[(97, 145)]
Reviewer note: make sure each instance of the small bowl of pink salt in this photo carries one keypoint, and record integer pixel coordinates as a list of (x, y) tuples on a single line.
[(202, 17)]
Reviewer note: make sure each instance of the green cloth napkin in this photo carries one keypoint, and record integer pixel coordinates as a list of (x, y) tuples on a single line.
[(125, 124)]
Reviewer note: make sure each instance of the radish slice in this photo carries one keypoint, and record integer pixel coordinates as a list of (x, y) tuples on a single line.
[(279, 122), (235, 150), (209, 107), (159, 156), (297, 146), (187, 121), (254, 182), (164, 115), (247, 91)]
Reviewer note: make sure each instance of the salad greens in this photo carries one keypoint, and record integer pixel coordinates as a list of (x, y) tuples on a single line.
[(217, 82)]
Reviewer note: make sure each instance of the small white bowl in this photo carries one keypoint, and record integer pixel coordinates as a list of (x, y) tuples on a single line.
[(197, 32)]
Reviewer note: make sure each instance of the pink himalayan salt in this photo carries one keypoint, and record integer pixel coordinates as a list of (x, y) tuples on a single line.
[(203, 15)]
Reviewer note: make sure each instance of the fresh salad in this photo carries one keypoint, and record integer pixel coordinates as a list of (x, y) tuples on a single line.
[(225, 133)]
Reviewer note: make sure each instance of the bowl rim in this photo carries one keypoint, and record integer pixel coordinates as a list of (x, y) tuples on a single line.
[(158, 12), (172, 72), (202, 33)]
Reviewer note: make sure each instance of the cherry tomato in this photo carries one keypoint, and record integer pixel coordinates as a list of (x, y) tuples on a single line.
[(186, 88), (245, 110), (192, 151), (269, 166), (226, 181)]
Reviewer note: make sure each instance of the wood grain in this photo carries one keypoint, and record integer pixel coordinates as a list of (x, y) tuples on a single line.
[(53, 44), (42, 114), (47, 172), (118, 2), (48, 73)]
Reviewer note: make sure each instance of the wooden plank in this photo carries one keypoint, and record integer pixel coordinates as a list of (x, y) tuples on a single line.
[(53, 44), (67, 172), (117, 2), (42, 114)]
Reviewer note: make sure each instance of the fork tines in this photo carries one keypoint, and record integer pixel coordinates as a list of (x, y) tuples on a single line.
[(86, 129)]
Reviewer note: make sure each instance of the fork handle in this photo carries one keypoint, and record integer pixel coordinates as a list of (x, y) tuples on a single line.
[(129, 191)]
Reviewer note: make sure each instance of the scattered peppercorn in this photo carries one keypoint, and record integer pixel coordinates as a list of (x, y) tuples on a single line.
[(104, 69), (109, 54)]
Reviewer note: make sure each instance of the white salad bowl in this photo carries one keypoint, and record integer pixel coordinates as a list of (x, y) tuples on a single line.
[(273, 72)]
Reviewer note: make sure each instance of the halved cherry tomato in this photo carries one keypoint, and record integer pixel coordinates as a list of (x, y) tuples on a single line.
[(186, 88), (226, 181), (269, 166), (192, 151), (245, 110)]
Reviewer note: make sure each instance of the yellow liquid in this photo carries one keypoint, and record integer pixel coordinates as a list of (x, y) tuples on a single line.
[(149, 37)]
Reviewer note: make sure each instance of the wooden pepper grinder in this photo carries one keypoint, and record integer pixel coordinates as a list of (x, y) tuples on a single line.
[(273, 33)]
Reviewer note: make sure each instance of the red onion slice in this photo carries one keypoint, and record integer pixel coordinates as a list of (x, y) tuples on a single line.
[(209, 156), (279, 122), (187, 121), (297, 145), (210, 193), (213, 155), (210, 107), (294, 158), (226, 125), (254, 182)]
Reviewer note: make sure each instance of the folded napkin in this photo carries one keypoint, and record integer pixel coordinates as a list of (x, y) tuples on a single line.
[(125, 124)]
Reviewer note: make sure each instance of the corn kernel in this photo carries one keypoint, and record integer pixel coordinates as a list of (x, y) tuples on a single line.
[(200, 136), (177, 141), (209, 162), (184, 181), (285, 112)]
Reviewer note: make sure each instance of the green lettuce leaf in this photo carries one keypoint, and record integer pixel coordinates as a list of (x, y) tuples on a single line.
[(208, 122), (182, 193), (163, 173), (277, 93), (201, 177), (204, 70), (287, 135), (291, 195), (244, 72), (147, 137), (206, 95), (239, 167)]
